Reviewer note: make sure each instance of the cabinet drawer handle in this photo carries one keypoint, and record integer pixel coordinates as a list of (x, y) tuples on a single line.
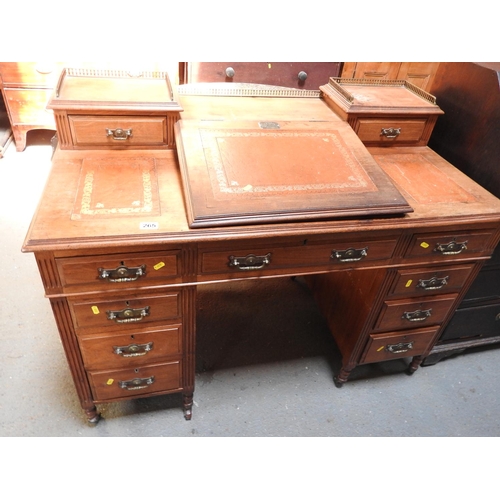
[(119, 134), (349, 255), (133, 350), (451, 248), (399, 348), (128, 315), (251, 262), (136, 383), (390, 133), (433, 283), (418, 315), (122, 273)]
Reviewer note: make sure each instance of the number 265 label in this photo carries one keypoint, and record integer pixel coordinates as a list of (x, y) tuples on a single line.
[(149, 225)]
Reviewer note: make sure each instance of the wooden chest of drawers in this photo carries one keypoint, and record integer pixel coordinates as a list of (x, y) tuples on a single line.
[(26, 88)]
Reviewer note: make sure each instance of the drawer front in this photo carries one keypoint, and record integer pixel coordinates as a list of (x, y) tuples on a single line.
[(449, 245), (118, 131), (125, 350), (486, 285), (151, 379), (29, 107), (31, 74), (122, 270), (125, 313), (395, 345), (414, 313), (429, 281), (470, 323), (272, 260), (302, 75), (390, 130)]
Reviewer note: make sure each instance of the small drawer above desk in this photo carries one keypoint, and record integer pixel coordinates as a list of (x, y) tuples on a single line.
[(118, 131), (390, 131)]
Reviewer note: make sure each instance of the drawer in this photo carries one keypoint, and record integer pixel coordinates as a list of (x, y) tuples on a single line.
[(133, 382), (272, 259), (31, 74), (395, 345), (102, 351), (387, 131), (127, 312), (414, 313), (118, 131), (450, 245), (122, 270), (28, 107), (481, 321), (302, 75), (486, 285), (428, 281)]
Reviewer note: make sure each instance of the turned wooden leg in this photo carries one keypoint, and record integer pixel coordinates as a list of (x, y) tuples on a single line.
[(342, 377), (93, 415), (415, 363), (188, 405)]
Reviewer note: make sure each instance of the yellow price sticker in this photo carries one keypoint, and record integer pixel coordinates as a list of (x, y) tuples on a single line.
[(95, 310), (381, 348), (110, 381), (408, 283), (424, 244), (159, 266)]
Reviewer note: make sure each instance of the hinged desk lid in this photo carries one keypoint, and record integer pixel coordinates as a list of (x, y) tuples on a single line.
[(244, 172)]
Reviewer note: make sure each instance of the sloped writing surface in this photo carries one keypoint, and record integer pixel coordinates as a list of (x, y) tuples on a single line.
[(252, 172)]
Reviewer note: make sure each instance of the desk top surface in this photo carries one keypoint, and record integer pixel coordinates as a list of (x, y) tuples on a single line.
[(438, 193)]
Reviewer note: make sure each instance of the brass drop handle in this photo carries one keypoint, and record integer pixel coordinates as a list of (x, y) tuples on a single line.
[(451, 248), (399, 348), (390, 133), (128, 315), (418, 315), (433, 283), (133, 350), (136, 383), (121, 273), (349, 255), (119, 134), (250, 262)]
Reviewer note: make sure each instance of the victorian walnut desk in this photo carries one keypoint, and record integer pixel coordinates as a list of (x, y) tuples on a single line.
[(121, 251)]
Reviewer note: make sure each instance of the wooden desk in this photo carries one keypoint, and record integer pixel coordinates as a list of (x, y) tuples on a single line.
[(122, 285)]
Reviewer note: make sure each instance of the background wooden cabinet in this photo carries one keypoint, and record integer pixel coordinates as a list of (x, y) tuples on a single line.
[(420, 74)]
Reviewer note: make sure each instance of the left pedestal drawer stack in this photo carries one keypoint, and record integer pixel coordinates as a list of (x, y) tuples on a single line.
[(126, 328)]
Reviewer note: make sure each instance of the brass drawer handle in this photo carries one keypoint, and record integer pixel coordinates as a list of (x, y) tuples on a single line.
[(128, 315), (418, 315), (349, 255), (133, 350), (451, 248), (136, 383), (433, 283), (390, 133), (119, 134), (251, 262), (122, 273), (399, 348)]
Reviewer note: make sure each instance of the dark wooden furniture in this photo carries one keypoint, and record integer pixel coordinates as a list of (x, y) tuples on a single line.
[(121, 265), (468, 136), (300, 75)]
